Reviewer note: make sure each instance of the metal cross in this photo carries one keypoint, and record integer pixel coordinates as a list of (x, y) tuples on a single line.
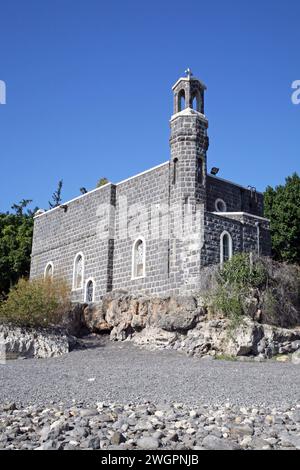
[(188, 73)]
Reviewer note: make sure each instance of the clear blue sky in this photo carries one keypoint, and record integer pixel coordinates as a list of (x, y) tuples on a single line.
[(89, 89)]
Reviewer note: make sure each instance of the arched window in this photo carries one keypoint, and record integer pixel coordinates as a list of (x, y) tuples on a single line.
[(175, 165), (181, 100), (138, 258), (225, 247), (89, 291), (78, 271), (48, 274), (196, 102)]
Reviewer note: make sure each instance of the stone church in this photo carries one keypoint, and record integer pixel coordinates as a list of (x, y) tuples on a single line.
[(154, 232)]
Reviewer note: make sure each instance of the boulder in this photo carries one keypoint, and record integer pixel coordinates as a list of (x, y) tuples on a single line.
[(174, 313), (94, 318), (245, 339), (155, 337), (123, 314)]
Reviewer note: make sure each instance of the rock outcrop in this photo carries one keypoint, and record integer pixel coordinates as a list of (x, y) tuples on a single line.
[(27, 343), (184, 324)]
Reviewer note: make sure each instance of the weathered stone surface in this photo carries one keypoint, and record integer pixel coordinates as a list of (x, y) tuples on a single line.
[(155, 337), (245, 339), (296, 358), (123, 314), (183, 323), (174, 313), (28, 342), (148, 443)]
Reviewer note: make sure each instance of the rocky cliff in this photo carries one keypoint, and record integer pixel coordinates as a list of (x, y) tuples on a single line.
[(185, 324)]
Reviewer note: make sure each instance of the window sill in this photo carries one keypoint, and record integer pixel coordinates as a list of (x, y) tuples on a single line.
[(138, 277)]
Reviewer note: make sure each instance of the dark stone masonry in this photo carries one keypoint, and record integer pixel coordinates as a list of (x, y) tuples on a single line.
[(153, 233)]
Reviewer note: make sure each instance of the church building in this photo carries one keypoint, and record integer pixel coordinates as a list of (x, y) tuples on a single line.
[(154, 232)]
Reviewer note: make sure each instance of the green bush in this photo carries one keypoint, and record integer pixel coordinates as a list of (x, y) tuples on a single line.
[(235, 280), (36, 303), (246, 285), (242, 271), (228, 302)]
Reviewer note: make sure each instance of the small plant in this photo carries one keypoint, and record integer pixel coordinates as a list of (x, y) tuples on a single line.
[(36, 303), (229, 303), (225, 357), (101, 182)]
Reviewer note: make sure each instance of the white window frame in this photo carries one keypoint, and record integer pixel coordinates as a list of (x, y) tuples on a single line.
[(142, 239), (50, 263), (85, 287), (74, 272), (224, 204), (222, 246)]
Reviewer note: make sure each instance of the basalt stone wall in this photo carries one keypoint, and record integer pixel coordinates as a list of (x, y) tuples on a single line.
[(251, 233), (215, 225), (142, 211), (59, 235), (237, 198), (243, 231), (105, 224)]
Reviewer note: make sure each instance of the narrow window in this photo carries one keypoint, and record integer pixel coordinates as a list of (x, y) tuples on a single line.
[(181, 100), (78, 272), (175, 165), (138, 261), (200, 171), (89, 291), (195, 103), (49, 271), (225, 247)]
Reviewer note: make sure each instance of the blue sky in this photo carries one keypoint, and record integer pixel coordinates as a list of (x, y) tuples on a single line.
[(89, 89)]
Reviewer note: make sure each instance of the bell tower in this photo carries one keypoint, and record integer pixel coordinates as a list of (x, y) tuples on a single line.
[(188, 140), (188, 169)]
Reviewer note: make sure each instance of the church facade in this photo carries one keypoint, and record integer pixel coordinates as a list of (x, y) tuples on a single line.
[(154, 232)]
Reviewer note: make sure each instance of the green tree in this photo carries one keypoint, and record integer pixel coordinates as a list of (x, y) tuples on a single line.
[(19, 208), (282, 207), (56, 196), (15, 246), (102, 181)]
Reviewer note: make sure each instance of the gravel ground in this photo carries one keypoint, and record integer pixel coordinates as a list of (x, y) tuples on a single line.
[(147, 426), (123, 373)]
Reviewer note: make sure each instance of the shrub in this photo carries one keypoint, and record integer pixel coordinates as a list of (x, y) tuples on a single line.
[(229, 303), (246, 285), (242, 271), (36, 303)]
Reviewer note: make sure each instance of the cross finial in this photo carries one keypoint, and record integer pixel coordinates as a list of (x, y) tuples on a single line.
[(188, 72)]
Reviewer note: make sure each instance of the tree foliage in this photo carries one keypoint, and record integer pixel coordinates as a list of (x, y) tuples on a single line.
[(282, 206), (102, 181), (56, 196), (15, 245)]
